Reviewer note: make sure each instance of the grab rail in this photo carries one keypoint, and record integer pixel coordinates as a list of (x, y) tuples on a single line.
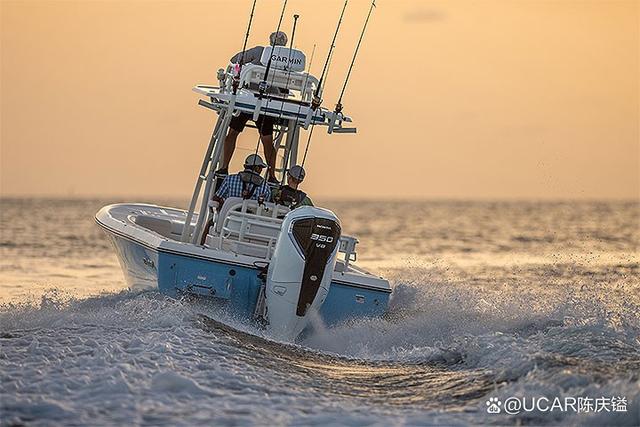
[(348, 248), (291, 80), (260, 231)]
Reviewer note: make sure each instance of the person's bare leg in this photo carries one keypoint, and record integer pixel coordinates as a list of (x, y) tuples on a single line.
[(229, 147), (270, 154)]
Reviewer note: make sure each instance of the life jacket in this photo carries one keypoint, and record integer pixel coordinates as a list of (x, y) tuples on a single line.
[(250, 182), (290, 197)]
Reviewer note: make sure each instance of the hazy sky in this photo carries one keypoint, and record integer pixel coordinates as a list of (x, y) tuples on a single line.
[(453, 99)]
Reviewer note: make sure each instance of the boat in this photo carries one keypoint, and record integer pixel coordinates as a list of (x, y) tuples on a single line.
[(267, 264)]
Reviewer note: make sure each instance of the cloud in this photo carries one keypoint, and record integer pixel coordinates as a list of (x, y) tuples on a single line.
[(422, 14)]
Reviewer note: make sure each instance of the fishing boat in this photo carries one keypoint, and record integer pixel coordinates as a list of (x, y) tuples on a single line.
[(263, 262)]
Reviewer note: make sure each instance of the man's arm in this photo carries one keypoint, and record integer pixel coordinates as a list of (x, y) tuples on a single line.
[(223, 191), (251, 56)]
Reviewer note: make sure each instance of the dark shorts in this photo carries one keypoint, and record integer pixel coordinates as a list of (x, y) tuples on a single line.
[(264, 123)]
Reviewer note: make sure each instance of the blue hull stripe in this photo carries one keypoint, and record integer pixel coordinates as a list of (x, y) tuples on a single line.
[(193, 256)]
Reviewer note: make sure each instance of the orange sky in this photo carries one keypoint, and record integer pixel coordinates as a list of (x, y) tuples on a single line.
[(452, 99)]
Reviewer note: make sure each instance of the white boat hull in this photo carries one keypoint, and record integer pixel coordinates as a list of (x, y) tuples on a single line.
[(151, 260)]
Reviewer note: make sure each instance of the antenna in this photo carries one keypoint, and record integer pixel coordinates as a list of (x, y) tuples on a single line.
[(263, 85), (300, 105), (293, 33)]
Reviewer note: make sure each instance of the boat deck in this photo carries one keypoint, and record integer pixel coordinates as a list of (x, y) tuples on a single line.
[(159, 228)]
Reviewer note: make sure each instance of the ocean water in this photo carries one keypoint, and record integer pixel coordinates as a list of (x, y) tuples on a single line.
[(491, 300)]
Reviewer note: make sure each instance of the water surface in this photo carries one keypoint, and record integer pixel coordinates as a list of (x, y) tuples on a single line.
[(491, 299)]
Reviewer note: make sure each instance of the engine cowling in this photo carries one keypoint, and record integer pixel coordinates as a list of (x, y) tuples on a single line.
[(301, 268)]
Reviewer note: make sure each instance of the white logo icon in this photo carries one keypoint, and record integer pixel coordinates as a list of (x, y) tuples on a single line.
[(493, 405)]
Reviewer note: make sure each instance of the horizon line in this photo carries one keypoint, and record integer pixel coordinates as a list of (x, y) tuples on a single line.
[(333, 198)]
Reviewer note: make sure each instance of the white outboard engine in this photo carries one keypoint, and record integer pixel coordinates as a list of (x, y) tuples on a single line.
[(301, 269)]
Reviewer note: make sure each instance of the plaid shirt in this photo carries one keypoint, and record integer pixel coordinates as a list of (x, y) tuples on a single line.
[(232, 186)]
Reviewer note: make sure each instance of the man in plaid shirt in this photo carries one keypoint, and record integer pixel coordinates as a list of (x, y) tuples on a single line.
[(246, 184)]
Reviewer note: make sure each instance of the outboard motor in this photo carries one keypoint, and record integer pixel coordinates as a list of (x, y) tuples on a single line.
[(301, 269)]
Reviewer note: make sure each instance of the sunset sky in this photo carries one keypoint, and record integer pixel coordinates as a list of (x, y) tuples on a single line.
[(452, 99)]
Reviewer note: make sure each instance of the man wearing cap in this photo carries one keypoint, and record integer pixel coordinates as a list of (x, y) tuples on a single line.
[(247, 184), (264, 123), (289, 195)]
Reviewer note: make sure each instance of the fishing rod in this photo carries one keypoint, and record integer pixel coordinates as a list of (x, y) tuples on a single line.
[(338, 108), (306, 149), (289, 67), (316, 99), (262, 86), (306, 80), (293, 35), (236, 79)]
